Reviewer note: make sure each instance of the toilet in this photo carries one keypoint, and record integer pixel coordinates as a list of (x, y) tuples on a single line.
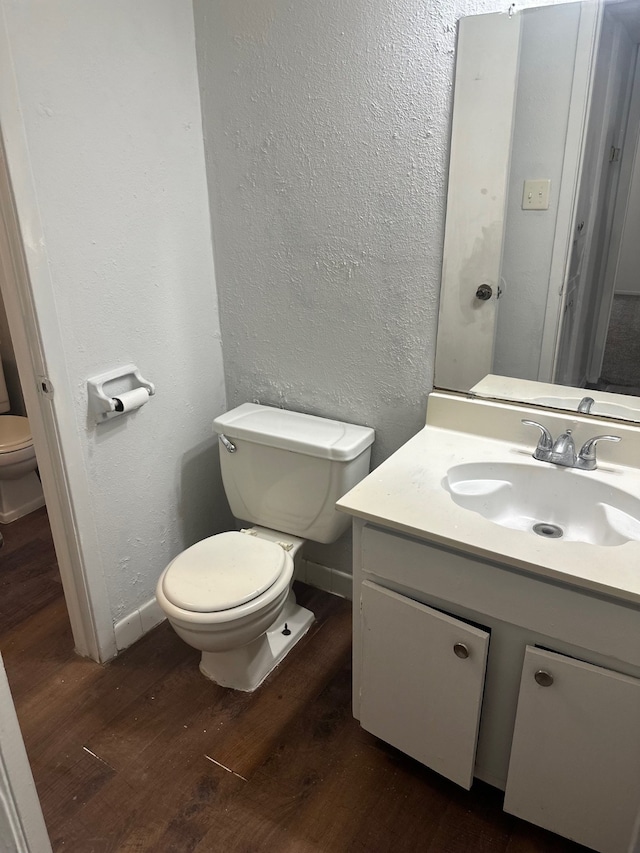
[(230, 595), (20, 489)]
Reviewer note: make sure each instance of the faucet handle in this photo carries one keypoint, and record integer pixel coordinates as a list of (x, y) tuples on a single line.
[(587, 456), (545, 442)]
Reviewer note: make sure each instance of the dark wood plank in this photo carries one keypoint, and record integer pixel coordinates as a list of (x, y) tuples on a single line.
[(244, 746), (329, 786), (206, 739), (27, 529), (526, 838), (69, 784), (145, 755), (29, 576)]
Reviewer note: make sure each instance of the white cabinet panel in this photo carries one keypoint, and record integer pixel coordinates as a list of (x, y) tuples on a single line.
[(575, 758), (416, 693)]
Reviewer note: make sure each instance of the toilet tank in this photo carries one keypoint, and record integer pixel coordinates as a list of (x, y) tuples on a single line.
[(289, 469)]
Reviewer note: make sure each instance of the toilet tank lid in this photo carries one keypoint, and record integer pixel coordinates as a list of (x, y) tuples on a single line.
[(295, 431)]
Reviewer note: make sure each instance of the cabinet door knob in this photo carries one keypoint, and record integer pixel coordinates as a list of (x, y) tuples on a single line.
[(544, 679), (461, 651)]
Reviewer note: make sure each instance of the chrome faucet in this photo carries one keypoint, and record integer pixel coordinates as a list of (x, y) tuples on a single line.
[(562, 451), (584, 406)]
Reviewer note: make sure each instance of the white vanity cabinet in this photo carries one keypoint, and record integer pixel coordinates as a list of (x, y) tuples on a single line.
[(553, 673), (422, 681), (575, 755)]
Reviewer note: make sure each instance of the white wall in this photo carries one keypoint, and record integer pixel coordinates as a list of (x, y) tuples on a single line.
[(110, 107), (327, 131)]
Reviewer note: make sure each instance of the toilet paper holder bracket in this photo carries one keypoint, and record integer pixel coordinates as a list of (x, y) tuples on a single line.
[(117, 392)]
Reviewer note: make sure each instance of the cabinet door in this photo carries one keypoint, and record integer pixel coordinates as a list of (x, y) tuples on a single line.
[(575, 758), (422, 681)]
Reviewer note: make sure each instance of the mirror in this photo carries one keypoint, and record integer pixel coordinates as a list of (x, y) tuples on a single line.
[(540, 296)]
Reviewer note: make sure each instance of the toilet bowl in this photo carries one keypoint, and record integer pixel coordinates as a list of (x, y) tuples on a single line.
[(230, 595), (20, 489)]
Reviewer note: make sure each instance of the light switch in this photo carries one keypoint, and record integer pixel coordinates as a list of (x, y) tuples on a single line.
[(536, 195)]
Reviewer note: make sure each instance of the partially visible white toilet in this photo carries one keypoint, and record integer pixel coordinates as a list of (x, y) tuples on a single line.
[(20, 489), (230, 595)]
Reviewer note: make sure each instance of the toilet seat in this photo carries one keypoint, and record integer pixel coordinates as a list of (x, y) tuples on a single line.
[(15, 433), (223, 572)]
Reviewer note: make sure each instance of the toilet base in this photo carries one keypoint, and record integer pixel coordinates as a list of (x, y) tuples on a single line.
[(247, 667), (20, 497)]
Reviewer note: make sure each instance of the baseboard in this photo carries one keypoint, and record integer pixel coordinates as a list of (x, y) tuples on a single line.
[(130, 628), (20, 497), (329, 580), (22, 510)]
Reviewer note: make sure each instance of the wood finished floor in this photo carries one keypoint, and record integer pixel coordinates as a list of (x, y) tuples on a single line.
[(144, 754)]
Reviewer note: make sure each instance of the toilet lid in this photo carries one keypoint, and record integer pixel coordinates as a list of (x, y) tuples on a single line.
[(222, 572), (14, 433)]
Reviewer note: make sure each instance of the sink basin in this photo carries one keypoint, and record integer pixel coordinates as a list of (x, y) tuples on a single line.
[(553, 502)]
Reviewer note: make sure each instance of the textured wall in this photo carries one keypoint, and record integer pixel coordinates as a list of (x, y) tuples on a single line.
[(111, 111), (327, 128), (327, 131)]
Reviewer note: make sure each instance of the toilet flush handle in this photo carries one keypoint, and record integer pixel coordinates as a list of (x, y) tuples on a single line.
[(229, 445)]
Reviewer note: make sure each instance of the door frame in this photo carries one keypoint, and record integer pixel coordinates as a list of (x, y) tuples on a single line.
[(28, 294), (21, 820)]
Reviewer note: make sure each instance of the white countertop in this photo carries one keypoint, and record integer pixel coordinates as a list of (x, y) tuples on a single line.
[(406, 494), (605, 404)]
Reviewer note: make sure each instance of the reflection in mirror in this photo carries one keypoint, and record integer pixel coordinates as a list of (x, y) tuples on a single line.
[(546, 214)]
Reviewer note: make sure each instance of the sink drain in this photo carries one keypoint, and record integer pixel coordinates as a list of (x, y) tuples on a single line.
[(549, 531)]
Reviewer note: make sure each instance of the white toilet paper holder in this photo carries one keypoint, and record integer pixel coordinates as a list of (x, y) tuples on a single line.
[(117, 392)]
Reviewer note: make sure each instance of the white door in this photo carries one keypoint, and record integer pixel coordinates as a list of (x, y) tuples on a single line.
[(575, 758), (478, 175), (22, 828), (422, 681)]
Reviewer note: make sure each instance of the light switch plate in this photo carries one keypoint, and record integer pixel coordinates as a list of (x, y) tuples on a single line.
[(536, 195)]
